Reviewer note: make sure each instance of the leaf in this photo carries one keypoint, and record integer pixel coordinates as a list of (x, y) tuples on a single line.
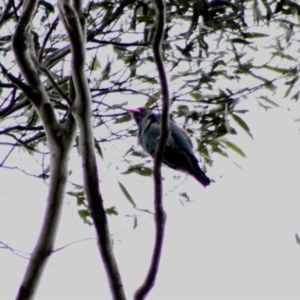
[(264, 106), (272, 87), (257, 15), (174, 77), (233, 147), (48, 6), (185, 196), (237, 149), (221, 152), (254, 35), (196, 96), (111, 211), (98, 148), (240, 41), (123, 119), (277, 70), (296, 96), (95, 64), (106, 71), (182, 109), (84, 214), (242, 124), (145, 210), (139, 169), (269, 101), (297, 238), (135, 222), (80, 197), (150, 101), (238, 166), (139, 154), (282, 55), (147, 79), (126, 194)]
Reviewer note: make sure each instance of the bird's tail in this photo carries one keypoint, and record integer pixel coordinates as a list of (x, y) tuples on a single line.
[(202, 178)]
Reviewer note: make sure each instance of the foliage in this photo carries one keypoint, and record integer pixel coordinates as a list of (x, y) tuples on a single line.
[(216, 53)]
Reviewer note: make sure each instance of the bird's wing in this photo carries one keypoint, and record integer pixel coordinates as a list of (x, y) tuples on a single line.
[(149, 132), (181, 137)]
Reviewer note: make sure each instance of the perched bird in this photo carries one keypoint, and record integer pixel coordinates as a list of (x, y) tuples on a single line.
[(178, 153)]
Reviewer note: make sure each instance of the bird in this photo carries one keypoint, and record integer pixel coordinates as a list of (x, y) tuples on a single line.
[(178, 153)]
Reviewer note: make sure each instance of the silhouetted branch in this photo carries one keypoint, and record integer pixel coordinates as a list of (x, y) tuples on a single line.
[(82, 110), (54, 58), (160, 215), (60, 139), (14, 251)]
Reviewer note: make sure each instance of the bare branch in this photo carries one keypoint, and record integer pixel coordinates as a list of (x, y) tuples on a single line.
[(52, 28), (14, 251), (54, 58), (38, 94), (60, 139), (160, 215), (5, 12), (74, 24), (53, 82)]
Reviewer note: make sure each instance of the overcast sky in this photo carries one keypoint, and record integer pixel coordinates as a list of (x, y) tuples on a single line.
[(235, 240)]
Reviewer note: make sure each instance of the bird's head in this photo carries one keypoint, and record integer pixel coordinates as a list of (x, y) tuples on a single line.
[(140, 113)]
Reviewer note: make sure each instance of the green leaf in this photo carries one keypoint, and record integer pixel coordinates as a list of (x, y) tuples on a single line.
[(84, 215), (123, 119), (80, 197), (95, 64), (240, 41), (139, 154), (174, 77), (48, 6), (238, 166), (135, 222), (126, 194), (98, 148), (264, 106), (145, 211), (147, 79), (111, 211), (276, 69), (150, 101), (254, 35), (220, 152), (106, 71), (139, 169), (233, 147), (296, 96), (242, 124), (269, 101), (185, 196), (196, 96)]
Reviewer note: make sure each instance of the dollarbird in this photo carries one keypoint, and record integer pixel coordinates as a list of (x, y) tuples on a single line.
[(178, 153)]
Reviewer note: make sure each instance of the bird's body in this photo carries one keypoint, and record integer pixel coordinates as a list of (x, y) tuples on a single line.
[(178, 153)]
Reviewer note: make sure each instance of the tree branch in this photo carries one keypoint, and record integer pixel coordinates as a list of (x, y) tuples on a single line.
[(160, 215), (60, 139), (54, 58), (82, 111)]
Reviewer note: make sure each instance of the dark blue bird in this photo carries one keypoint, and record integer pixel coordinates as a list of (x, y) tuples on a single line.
[(178, 153)]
